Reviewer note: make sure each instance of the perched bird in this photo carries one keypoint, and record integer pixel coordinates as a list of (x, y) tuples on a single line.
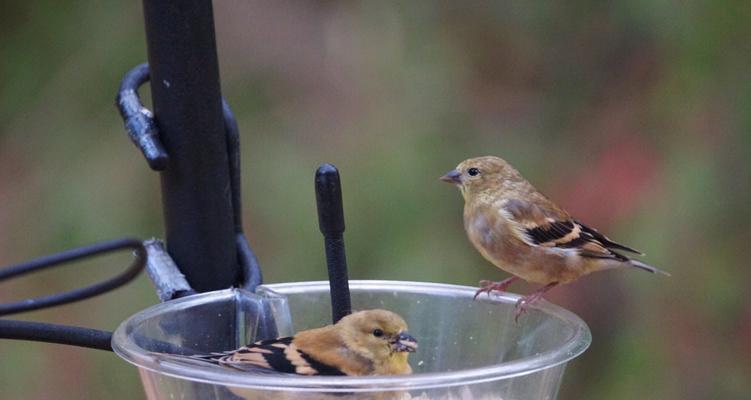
[(522, 232), (371, 342)]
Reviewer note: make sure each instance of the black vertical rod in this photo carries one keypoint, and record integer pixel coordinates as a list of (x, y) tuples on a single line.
[(331, 223), (187, 103)]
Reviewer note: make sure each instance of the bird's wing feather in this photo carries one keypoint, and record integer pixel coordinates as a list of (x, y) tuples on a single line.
[(552, 227), (281, 355), (606, 241)]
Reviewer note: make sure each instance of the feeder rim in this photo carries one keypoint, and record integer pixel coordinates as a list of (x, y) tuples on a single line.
[(572, 347)]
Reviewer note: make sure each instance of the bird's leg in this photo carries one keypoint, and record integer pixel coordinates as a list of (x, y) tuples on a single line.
[(526, 301), (489, 286)]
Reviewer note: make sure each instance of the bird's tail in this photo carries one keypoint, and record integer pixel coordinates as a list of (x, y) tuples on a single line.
[(646, 267)]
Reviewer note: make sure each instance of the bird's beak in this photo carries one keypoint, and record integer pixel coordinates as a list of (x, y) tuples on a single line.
[(453, 176), (404, 342)]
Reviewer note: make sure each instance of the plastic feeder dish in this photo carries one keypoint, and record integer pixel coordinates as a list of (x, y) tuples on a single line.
[(468, 349)]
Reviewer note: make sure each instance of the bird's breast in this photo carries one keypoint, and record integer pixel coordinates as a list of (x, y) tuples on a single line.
[(494, 237), (489, 233)]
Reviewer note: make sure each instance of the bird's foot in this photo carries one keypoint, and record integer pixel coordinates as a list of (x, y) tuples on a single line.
[(489, 286), (523, 303), (526, 301)]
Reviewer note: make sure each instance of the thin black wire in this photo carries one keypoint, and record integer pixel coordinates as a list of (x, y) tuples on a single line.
[(65, 334), (72, 255), (54, 333)]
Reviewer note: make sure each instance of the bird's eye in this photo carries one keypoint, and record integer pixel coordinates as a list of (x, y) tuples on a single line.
[(377, 333), (473, 171)]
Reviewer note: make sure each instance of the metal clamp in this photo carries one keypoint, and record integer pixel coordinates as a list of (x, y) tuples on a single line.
[(143, 132)]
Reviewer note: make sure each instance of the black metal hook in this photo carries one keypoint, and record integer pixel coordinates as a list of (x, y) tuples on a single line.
[(251, 269), (331, 224), (139, 120), (142, 129)]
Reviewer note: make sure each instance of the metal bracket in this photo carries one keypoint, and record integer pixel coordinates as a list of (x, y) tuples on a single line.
[(143, 131), (170, 283)]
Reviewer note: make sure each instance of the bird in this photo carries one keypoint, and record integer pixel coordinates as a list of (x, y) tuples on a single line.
[(369, 342), (524, 233)]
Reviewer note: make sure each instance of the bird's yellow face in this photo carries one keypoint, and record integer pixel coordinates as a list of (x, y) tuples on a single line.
[(479, 175), (380, 333)]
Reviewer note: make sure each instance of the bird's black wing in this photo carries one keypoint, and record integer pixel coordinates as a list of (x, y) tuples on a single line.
[(593, 234), (571, 234), (279, 355), (550, 232), (554, 228)]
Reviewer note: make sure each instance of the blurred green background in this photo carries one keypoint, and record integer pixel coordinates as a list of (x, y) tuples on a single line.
[(634, 116)]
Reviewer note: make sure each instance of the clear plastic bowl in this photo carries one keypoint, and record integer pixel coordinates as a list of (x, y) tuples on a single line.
[(468, 349)]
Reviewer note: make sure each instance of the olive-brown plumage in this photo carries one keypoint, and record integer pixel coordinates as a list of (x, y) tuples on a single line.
[(522, 232), (370, 342)]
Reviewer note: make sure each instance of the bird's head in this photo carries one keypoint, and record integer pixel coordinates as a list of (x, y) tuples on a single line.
[(377, 334), (480, 175)]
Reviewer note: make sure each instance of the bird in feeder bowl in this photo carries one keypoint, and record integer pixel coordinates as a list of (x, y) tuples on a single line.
[(522, 232), (371, 342)]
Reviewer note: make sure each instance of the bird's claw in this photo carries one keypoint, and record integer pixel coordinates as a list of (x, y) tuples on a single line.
[(521, 308), (524, 303), (487, 286)]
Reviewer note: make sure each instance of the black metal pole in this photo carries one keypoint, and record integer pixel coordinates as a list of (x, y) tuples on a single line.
[(187, 103)]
